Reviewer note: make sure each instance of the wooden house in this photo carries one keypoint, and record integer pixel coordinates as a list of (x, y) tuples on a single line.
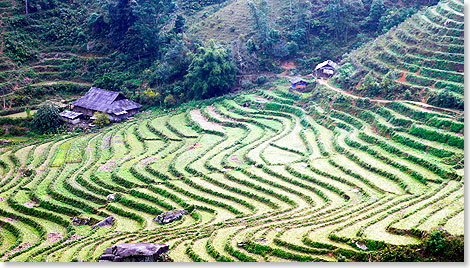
[(113, 103), (326, 69), (71, 117), (298, 82)]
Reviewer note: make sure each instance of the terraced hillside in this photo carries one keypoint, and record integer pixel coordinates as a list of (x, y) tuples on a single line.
[(424, 55), (270, 175), (37, 59)]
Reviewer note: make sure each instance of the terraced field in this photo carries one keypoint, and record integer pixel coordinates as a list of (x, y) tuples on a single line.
[(425, 53), (50, 70), (281, 178)]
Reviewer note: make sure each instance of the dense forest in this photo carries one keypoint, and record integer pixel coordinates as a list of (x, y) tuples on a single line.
[(142, 46)]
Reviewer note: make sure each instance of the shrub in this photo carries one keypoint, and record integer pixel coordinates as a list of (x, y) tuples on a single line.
[(47, 119), (102, 119)]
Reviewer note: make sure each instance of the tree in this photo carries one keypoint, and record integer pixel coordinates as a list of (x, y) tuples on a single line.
[(211, 73), (27, 13), (134, 26), (370, 86), (377, 9), (28, 112), (292, 47), (102, 119), (266, 36), (175, 62), (339, 18), (169, 101), (151, 97), (47, 118), (179, 24), (447, 99)]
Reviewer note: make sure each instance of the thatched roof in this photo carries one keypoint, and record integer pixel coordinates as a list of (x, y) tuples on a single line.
[(327, 63), (110, 102)]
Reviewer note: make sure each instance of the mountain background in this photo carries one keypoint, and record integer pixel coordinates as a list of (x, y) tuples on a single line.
[(58, 49)]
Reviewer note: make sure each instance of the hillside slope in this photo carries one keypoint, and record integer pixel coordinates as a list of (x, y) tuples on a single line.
[(229, 22), (272, 175), (422, 59), (44, 54)]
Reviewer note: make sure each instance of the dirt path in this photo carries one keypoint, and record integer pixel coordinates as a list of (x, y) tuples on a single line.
[(421, 104)]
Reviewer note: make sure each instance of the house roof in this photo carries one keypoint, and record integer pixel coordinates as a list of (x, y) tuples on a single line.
[(70, 115), (101, 100), (296, 80), (327, 63)]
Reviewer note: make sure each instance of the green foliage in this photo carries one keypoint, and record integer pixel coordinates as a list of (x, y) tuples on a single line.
[(445, 123), (19, 48), (169, 101), (343, 75), (444, 246), (448, 99), (436, 135), (375, 14), (173, 66), (133, 27), (179, 24), (102, 119), (438, 245), (267, 40), (47, 119), (28, 112), (370, 86), (211, 73)]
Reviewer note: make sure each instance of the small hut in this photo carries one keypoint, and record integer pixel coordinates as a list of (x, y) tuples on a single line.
[(113, 103), (326, 69), (298, 82), (70, 117)]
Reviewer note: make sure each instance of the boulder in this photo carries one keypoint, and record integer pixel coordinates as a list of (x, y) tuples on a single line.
[(134, 252), (80, 221), (169, 216), (361, 246), (105, 222), (112, 197)]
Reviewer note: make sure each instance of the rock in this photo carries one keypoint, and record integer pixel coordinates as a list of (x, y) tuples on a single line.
[(361, 246), (134, 252), (80, 221), (169, 216), (105, 222), (112, 197), (90, 45), (241, 244)]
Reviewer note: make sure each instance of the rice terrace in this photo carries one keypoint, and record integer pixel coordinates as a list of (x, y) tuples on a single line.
[(366, 165)]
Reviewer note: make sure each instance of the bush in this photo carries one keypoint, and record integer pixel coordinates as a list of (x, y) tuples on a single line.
[(169, 101), (102, 119), (203, 81), (447, 99), (47, 119)]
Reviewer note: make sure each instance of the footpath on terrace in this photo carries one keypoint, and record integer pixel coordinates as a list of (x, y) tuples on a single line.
[(424, 105)]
